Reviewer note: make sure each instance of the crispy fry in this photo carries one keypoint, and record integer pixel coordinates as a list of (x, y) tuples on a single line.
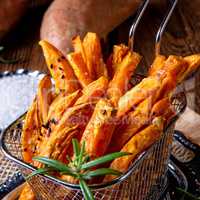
[(99, 130), (157, 65), (119, 52), (130, 124), (80, 68), (73, 122), (167, 86), (30, 133), (61, 104), (137, 144), (44, 97), (193, 63), (78, 47), (147, 87), (163, 108), (59, 68), (175, 66), (94, 59), (119, 84), (94, 91), (27, 193)]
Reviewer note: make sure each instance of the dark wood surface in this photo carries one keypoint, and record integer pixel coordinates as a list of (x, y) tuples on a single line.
[(182, 37)]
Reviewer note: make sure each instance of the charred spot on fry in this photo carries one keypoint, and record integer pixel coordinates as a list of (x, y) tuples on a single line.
[(63, 76)]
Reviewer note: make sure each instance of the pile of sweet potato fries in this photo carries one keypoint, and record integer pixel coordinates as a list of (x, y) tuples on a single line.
[(93, 101)]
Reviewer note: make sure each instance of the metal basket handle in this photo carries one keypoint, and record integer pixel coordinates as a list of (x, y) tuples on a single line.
[(161, 29), (136, 21), (163, 25)]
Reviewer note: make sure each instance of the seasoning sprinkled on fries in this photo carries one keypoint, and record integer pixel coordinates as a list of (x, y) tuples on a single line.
[(93, 101)]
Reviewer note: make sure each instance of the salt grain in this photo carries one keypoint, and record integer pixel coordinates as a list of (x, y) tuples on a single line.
[(17, 91)]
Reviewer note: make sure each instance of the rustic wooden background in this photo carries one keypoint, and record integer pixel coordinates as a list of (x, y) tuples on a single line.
[(182, 37)]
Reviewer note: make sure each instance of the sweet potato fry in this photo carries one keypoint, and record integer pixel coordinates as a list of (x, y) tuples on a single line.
[(27, 193), (193, 63), (73, 122), (78, 47), (163, 108), (147, 87), (136, 145), (130, 124), (59, 68), (44, 97), (119, 84), (167, 86), (157, 65), (30, 133), (80, 68), (94, 58), (61, 104), (176, 66), (119, 52), (93, 91), (99, 130)]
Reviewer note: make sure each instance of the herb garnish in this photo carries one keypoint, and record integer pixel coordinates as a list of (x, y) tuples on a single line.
[(80, 167)]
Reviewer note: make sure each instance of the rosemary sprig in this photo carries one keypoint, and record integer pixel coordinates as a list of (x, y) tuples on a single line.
[(80, 167)]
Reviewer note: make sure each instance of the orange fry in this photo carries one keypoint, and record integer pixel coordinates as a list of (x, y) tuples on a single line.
[(30, 133), (27, 193), (136, 145), (61, 104), (80, 68), (157, 65), (44, 97), (193, 64), (99, 130), (119, 52), (94, 91), (94, 58), (119, 84), (147, 87), (78, 46), (59, 68), (130, 124), (167, 86)]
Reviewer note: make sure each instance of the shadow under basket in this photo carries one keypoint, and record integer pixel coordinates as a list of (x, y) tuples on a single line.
[(144, 180)]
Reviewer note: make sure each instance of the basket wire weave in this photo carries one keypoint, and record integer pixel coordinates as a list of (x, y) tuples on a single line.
[(145, 179)]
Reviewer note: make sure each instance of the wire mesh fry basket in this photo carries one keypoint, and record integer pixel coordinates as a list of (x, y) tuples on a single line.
[(145, 179)]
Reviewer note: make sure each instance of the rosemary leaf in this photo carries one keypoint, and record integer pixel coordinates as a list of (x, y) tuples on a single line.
[(101, 172), (104, 159), (82, 151), (76, 147), (86, 190), (39, 171), (54, 164)]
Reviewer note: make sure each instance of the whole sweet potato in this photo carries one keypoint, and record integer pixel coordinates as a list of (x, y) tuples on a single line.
[(65, 18)]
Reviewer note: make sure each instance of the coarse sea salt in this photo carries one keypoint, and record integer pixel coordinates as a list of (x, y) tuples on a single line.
[(17, 91)]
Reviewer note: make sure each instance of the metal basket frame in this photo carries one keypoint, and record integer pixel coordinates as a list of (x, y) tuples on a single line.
[(144, 164), (179, 102)]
